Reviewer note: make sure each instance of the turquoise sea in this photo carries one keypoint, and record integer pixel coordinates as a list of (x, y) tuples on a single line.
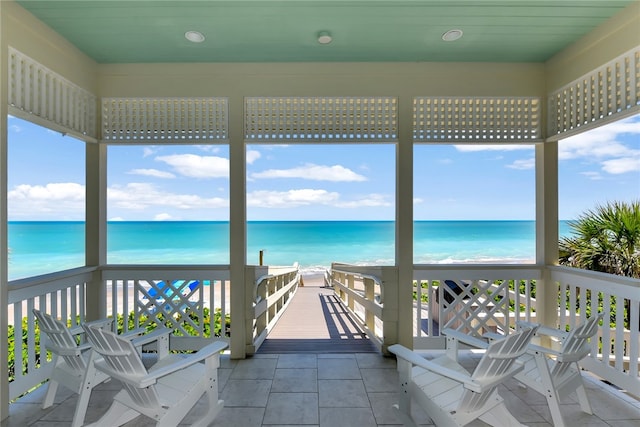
[(43, 247)]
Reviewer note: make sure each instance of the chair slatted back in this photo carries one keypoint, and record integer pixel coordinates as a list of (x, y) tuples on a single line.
[(495, 364), (121, 356), (60, 340), (576, 345)]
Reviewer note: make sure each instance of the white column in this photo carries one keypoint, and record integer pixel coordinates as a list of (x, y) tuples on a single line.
[(547, 228), (96, 226), (404, 221), (4, 252), (237, 225)]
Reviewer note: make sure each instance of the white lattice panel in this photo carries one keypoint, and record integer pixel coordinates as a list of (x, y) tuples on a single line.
[(321, 119), (164, 119), (38, 91), (476, 119), (612, 89)]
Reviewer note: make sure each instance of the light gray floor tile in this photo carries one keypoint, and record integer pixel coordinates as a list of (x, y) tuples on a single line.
[(378, 380), (297, 361), (239, 417), (342, 393), (295, 380), (292, 408), (253, 393), (373, 360), (254, 369), (336, 356), (345, 369), (347, 417)]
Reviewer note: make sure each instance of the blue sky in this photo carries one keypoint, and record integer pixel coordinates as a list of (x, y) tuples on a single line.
[(317, 182)]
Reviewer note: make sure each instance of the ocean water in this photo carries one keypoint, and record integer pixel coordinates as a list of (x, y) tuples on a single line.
[(43, 247)]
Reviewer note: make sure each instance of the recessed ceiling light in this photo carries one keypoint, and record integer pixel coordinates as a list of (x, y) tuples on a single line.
[(194, 36), (452, 35), (324, 37)]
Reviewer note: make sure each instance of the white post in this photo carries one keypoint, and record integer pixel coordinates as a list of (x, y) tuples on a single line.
[(547, 229), (404, 221), (237, 226), (4, 251)]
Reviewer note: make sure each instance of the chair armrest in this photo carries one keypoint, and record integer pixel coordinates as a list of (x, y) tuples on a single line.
[(205, 352), (101, 323), (415, 360), (65, 351), (543, 330), (139, 340), (76, 330), (464, 338)]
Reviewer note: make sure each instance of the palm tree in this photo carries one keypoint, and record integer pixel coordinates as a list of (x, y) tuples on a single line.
[(605, 239)]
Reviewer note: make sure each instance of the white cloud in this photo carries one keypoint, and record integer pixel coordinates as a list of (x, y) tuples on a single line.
[(370, 200), (162, 217), (252, 156), (116, 218), (151, 172), (523, 164), (335, 173), (602, 145), (194, 166), (594, 176), (69, 191), (291, 198), (64, 200), (309, 197), (147, 151), (140, 196), (622, 165), (417, 201)]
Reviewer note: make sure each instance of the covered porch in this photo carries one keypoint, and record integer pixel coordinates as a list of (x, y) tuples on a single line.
[(48, 80)]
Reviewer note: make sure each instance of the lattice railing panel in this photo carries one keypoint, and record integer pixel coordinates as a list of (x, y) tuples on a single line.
[(611, 89), (165, 119), (36, 90), (321, 119), (165, 302), (476, 119)]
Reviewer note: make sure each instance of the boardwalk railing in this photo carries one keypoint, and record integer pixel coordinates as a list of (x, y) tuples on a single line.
[(271, 292), (361, 290)]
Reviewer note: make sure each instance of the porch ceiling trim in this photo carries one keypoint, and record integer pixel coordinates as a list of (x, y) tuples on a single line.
[(477, 119), (170, 120), (321, 119), (610, 92), (40, 95)]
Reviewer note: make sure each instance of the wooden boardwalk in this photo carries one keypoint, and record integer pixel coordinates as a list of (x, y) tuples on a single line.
[(316, 321)]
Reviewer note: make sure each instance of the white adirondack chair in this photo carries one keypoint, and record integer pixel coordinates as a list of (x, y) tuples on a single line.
[(167, 391), (72, 363), (552, 372), (453, 397), (555, 373)]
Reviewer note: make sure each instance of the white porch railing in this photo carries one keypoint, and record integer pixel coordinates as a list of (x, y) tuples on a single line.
[(370, 293), (485, 301), (61, 294), (126, 292), (160, 295), (271, 292), (615, 356)]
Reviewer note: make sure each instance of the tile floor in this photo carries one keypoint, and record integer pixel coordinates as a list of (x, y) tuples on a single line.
[(332, 390)]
